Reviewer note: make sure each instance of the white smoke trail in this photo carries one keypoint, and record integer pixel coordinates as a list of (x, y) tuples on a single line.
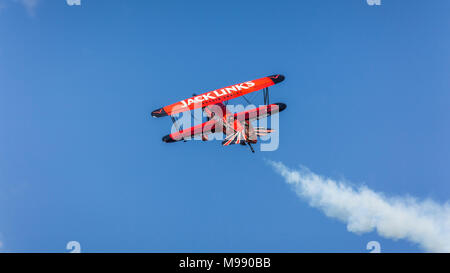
[(363, 210)]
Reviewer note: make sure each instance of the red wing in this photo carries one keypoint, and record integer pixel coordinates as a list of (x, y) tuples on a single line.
[(218, 95), (201, 129), (260, 112)]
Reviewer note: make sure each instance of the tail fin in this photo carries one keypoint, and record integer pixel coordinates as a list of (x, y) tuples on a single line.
[(261, 131)]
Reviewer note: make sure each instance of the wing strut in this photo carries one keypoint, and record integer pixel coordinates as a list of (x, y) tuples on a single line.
[(175, 123), (266, 95), (245, 98), (251, 148)]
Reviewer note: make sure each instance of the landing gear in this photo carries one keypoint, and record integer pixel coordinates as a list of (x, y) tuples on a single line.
[(251, 148)]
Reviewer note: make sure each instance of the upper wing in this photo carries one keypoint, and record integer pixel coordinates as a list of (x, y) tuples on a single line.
[(218, 95)]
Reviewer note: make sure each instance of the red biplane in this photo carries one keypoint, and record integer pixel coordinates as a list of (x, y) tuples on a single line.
[(236, 126)]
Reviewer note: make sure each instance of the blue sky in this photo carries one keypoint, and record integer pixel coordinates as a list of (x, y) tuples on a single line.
[(367, 94)]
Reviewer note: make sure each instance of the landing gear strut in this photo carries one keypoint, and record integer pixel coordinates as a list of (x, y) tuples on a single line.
[(251, 148)]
